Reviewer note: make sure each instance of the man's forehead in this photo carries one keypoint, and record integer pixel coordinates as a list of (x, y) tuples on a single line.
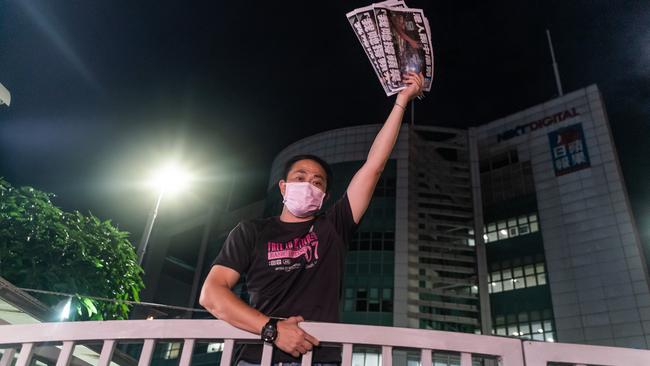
[(308, 166)]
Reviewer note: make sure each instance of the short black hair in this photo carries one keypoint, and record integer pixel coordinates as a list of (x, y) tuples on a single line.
[(296, 158)]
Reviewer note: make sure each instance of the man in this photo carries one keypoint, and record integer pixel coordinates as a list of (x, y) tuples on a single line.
[(293, 263)]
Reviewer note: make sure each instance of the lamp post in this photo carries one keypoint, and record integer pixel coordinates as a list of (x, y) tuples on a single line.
[(148, 228), (168, 179)]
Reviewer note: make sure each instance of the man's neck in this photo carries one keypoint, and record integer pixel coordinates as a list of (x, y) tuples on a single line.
[(287, 216)]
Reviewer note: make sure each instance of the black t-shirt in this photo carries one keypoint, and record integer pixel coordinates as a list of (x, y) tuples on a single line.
[(292, 269)]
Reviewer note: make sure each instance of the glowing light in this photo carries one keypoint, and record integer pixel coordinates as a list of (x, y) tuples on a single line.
[(171, 178), (150, 317), (65, 312)]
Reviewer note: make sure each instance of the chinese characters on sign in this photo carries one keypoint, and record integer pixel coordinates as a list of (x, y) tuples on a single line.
[(568, 149)]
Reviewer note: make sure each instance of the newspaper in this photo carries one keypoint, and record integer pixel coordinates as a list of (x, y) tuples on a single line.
[(396, 40)]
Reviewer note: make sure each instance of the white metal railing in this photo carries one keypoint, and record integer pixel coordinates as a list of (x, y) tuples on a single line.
[(22, 339)]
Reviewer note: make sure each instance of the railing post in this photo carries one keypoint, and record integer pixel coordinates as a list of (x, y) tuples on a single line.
[(346, 359), (306, 359), (107, 353), (186, 355), (226, 355), (65, 354), (7, 357), (267, 354), (387, 356), (425, 357), (147, 352), (25, 355), (465, 359)]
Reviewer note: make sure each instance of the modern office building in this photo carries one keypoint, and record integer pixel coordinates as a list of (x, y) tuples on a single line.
[(517, 227)]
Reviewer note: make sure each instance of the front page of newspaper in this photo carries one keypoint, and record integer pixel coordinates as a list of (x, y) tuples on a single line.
[(396, 40), (410, 39)]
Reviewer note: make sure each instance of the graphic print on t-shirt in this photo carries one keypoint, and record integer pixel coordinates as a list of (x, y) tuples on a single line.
[(294, 254)]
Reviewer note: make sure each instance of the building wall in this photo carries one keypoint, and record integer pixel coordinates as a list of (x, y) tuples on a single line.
[(596, 270)]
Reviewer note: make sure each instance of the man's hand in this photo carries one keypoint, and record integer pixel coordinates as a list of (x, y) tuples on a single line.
[(414, 83), (292, 339)]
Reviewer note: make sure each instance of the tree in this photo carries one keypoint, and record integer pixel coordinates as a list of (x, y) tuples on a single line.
[(43, 247)]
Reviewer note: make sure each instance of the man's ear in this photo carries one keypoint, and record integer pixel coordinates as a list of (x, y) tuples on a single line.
[(283, 186)]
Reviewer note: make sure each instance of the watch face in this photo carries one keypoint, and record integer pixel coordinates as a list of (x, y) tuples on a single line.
[(269, 333)]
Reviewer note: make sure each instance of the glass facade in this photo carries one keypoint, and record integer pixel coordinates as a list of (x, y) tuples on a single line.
[(517, 280), (369, 265)]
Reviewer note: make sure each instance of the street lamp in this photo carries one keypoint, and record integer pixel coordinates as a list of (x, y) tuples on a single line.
[(169, 179)]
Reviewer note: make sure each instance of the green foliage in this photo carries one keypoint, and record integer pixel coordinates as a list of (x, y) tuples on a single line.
[(43, 247)]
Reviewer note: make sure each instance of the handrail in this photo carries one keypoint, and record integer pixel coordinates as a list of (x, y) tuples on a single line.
[(510, 351)]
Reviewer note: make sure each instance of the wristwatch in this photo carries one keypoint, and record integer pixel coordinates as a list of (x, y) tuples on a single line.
[(270, 331)]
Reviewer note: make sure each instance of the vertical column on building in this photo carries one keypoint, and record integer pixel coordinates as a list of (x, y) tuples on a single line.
[(442, 291), (481, 257), (400, 307)]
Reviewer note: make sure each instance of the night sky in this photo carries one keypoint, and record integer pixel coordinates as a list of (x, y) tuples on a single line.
[(103, 91)]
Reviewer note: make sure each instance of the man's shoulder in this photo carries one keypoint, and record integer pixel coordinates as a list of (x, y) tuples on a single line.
[(255, 224)]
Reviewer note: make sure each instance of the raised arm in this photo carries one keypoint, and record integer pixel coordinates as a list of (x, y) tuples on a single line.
[(217, 297), (364, 181)]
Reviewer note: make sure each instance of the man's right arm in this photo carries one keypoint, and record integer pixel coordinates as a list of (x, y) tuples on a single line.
[(217, 297)]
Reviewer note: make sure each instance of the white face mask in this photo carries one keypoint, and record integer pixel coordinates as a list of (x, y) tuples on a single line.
[(302, 198)]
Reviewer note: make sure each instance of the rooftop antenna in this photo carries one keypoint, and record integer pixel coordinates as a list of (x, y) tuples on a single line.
[(557, 73), (5, 96)]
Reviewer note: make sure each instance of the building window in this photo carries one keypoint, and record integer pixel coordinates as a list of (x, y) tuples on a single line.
[(499, 161), (215, 347), (377, 241), (371, 300), (514, 278), (536, 325), (167, 351), (385, 187), (510, 228)]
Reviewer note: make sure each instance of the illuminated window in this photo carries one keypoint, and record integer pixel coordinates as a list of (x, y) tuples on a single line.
[(511, 227), (215, 347), (514, 278), (536, 325)]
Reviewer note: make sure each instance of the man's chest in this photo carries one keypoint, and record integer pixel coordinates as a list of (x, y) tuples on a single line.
[(287, 252)]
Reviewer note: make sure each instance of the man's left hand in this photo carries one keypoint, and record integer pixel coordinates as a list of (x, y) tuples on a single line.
[(414, 84)]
